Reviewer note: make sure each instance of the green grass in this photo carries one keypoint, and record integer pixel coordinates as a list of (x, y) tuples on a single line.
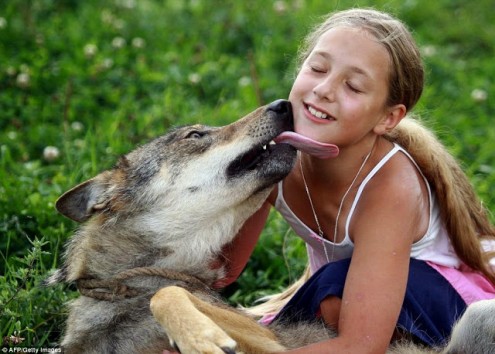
[(95, 78)]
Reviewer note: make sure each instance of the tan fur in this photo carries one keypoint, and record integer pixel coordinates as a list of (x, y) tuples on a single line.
[(209, 327), (153, 225)]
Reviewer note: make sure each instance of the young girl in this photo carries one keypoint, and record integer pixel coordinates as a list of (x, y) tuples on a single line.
[(392, 227)]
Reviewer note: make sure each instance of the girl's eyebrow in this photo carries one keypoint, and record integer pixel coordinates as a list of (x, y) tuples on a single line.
[(327, 56)]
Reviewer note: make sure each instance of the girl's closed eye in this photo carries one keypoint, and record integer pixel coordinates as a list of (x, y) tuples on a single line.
[(353, 87), (318, 69), (317, 65)]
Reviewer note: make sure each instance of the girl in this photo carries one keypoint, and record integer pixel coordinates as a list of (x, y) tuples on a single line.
[(392, 227)]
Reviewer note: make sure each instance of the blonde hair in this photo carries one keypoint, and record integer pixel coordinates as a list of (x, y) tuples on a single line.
[(464, 216)]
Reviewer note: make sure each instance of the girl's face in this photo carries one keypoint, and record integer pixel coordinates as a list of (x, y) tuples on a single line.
[(340, 93)]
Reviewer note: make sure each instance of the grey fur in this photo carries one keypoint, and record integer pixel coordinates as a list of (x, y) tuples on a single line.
[(156, 209), (173, 204)]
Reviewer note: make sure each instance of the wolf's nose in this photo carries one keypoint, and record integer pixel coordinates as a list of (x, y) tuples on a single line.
[(280, 106)]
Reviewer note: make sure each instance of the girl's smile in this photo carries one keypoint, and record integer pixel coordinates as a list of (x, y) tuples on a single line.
[(318, 115)]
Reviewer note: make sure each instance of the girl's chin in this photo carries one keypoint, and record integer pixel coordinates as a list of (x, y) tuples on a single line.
[(313, 132)]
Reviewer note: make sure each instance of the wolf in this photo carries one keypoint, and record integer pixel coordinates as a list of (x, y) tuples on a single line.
[(152, 227)]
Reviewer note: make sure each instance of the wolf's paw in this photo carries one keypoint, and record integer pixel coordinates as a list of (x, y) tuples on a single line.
[(187, 328), (210, 341)]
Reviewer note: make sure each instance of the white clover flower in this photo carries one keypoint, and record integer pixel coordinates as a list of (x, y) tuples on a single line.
[(244, 81), (118, 23), (429, 50), (479, 95), (280, 6), (23, 80), (298, 4), (11, 71), (14, 339), (79, 143), (107, 17), (3, 23), (128, 4), (194, 78), (12, 135), (51, 153), (30, 165), (107, 63), (40, 39), (118, 42), (138, 42), (90, 50), (77, 126)]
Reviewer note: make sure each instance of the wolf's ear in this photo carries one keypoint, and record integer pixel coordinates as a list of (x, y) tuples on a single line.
[(82, 201)]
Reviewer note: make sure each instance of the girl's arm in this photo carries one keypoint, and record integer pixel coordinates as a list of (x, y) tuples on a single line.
[(236, 254)]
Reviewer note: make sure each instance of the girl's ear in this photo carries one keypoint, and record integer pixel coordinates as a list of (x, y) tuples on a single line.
[(392, 117)]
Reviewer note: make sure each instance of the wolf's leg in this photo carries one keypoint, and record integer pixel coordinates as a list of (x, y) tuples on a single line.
[(200, 327), (475, 331)]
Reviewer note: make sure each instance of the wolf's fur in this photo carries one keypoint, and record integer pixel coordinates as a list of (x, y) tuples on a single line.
[(153, 226)]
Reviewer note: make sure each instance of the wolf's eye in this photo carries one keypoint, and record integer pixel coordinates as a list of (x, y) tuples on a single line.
[(194, 135)]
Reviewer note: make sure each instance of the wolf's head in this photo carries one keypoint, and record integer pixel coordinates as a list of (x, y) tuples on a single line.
[(175, 201)]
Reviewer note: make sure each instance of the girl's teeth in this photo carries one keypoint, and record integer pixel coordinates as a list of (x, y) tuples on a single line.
[(316, 113)]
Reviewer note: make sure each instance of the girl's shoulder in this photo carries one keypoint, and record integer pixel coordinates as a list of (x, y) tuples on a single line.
[(398, 172), (397, 191)]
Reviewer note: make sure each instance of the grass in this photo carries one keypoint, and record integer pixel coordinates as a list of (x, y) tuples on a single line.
[(94, 78)]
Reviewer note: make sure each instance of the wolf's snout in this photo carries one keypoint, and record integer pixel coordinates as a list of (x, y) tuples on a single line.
[(280, 107)]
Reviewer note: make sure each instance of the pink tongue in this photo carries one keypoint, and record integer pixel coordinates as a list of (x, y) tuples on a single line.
[(307, 145)]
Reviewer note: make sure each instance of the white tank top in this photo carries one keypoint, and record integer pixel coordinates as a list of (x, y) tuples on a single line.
[(434, 246)]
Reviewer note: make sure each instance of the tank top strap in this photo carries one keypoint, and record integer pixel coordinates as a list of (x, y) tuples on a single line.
[(372, 173)]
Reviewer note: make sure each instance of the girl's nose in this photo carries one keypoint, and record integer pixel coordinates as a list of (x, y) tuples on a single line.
[(325, 89)]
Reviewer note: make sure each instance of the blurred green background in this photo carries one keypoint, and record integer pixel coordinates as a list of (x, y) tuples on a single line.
[(82, 82)]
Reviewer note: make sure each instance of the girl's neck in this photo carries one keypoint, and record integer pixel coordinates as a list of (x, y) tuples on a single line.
[(335, 174)]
